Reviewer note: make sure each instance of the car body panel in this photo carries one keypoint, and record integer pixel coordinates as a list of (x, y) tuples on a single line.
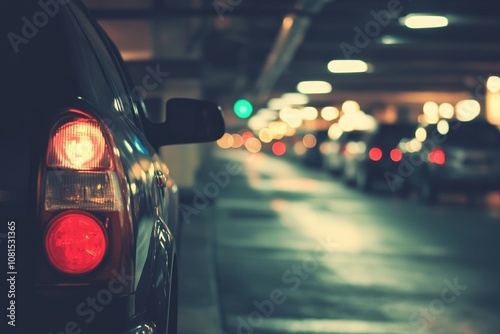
[(67, 65)]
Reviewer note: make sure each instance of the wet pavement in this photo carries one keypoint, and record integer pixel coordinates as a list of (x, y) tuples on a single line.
[(296, 251)]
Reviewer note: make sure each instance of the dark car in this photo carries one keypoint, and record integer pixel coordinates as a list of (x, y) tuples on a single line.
[(457, 156), (88, 210), (334, 151), (377, 156), (312, 156)]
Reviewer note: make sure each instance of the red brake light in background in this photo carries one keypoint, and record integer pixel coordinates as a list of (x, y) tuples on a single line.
[(75, 243), (437, 156), (375, 154), (279, 148), (396, 155), (78, 144)]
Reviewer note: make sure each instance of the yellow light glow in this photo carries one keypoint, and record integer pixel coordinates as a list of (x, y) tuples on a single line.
[(314, 87), (253, 145), (309, 141), (237, 141), (299, 148), (290, 131), (309, 113), (276, 104), (295, 99), (350, 106), (416, 21), (329, 113), (291, 116), (431, 109), (421, 134), (334, 131), (226, 141), (266, 135), (347, 66), (446, 110), (279, 128), (443, 127), (414, 145), (467, 110), (493, 84)]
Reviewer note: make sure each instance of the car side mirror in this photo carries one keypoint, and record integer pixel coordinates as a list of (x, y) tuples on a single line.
[(187, 121)]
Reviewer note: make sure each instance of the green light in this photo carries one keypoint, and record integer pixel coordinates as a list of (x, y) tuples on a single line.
[(243, 108)]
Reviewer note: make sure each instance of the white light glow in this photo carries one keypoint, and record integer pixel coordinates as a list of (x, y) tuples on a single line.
[(493, 84), (443, 127), (314, 87), (276, 104), (416, 21), (295, 99), (446, 110), (309, 113), (421, 134), (329, 113), (347, 66), (350, 106), (467, 110)]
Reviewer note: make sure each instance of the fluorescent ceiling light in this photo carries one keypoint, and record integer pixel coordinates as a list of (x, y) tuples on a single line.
[(417, 21), (293, 99), (314, 87), (347, 66)]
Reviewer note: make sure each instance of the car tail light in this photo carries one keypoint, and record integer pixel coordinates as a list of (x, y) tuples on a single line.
[(75, 243), (375, 154), (81, 186), (396, 155), (78, 144), (80, 173), (437, 156)]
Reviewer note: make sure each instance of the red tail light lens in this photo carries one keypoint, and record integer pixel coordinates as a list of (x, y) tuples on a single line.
[(375, 154), (396, 155), (437, 156), (75, 243), (78, 144)]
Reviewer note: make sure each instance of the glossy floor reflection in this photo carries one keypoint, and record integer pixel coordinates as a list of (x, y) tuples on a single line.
[(296, 251)]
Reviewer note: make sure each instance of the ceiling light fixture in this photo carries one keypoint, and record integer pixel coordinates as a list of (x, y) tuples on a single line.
[(314, 87), (347, 66), (418, 21)]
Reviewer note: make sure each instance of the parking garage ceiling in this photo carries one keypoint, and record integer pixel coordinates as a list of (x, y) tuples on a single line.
[(261, 48)]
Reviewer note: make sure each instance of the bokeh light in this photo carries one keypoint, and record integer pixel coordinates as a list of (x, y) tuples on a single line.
[(309, 141), (329, 113)]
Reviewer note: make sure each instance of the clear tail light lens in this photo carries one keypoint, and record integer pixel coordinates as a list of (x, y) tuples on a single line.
[(375, 154), (437, 156), (79, 173), (78, 144), (75, 243)]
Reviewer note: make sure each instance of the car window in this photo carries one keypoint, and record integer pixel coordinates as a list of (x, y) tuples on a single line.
[(480, 135), (110, 67), (41, 68), (391, 135)]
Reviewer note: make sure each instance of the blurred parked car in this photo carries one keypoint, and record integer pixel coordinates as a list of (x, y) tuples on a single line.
[(312, 156), (456, 156), (333, 151), (376, 156), (88, 208)]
